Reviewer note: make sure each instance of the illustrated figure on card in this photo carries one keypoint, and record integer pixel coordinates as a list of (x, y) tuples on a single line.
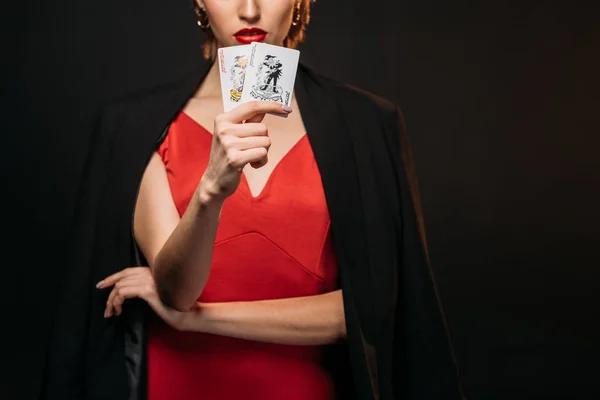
[(238, 72), (269, 72)]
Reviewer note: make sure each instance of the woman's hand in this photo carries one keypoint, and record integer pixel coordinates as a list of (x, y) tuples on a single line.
[(138, 282), (239, 138), (309, 320)]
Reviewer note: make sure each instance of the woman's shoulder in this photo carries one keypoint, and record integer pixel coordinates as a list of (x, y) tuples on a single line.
[(353, 97), (151, 103), (365, 113)]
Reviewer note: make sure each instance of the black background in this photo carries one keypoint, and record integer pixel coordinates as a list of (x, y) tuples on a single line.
[(501, 104)]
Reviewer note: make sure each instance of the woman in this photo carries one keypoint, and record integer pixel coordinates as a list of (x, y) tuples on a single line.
[(287, 257)]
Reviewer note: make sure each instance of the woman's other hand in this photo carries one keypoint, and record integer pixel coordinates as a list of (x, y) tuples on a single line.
[(239, 138), (137, 282)]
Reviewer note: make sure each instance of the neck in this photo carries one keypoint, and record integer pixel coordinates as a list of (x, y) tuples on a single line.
[(211, 86)]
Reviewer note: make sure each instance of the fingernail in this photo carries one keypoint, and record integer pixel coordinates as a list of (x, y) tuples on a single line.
[(287, 108), (105, 313), (99, 284)]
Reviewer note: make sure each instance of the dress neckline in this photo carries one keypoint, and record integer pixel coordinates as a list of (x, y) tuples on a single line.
[(244, 181)]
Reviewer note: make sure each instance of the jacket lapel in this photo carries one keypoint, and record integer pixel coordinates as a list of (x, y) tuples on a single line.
[(335, 155), (137, 125)]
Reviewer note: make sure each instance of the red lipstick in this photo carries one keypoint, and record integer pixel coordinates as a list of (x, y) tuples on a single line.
[(249, 35)]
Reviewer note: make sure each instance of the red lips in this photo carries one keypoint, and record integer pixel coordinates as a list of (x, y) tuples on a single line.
[(249, 35)]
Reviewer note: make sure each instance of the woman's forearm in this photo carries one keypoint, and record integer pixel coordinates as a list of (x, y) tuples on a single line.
[(312, 320), (182, 266)]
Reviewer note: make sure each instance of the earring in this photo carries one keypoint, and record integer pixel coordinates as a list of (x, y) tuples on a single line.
[(296, 18), (203, 21)]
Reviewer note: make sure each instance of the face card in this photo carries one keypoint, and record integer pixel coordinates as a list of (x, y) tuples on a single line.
[(232, 68), (270, 74)]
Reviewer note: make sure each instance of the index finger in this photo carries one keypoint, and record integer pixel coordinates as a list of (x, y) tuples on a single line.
[(253, 108), (112, 279)]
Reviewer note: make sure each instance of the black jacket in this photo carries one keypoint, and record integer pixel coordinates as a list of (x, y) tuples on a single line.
[(397, 345)]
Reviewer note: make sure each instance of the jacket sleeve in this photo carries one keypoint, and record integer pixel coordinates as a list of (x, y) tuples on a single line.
[(424, 364), (65, 360)]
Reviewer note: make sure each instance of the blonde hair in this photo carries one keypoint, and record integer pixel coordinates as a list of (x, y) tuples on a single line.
[(295, 35)]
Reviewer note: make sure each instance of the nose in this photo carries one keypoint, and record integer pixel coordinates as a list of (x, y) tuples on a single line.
[(249, 11)]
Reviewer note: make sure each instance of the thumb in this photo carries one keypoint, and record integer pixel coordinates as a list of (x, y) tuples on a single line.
[(153, 301), (256, 118), (261, 163), (171, 316)]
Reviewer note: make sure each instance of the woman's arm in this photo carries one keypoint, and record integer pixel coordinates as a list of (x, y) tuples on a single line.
[(180, 251), (170, 244), (311, 320)]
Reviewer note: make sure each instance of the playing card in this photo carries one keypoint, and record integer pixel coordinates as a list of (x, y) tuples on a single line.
[(270, 74), (232, 67)]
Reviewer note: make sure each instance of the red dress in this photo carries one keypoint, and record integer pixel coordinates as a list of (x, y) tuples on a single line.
[(275, 245)]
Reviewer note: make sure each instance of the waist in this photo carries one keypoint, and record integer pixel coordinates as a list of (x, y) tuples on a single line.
[(222, 367)]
